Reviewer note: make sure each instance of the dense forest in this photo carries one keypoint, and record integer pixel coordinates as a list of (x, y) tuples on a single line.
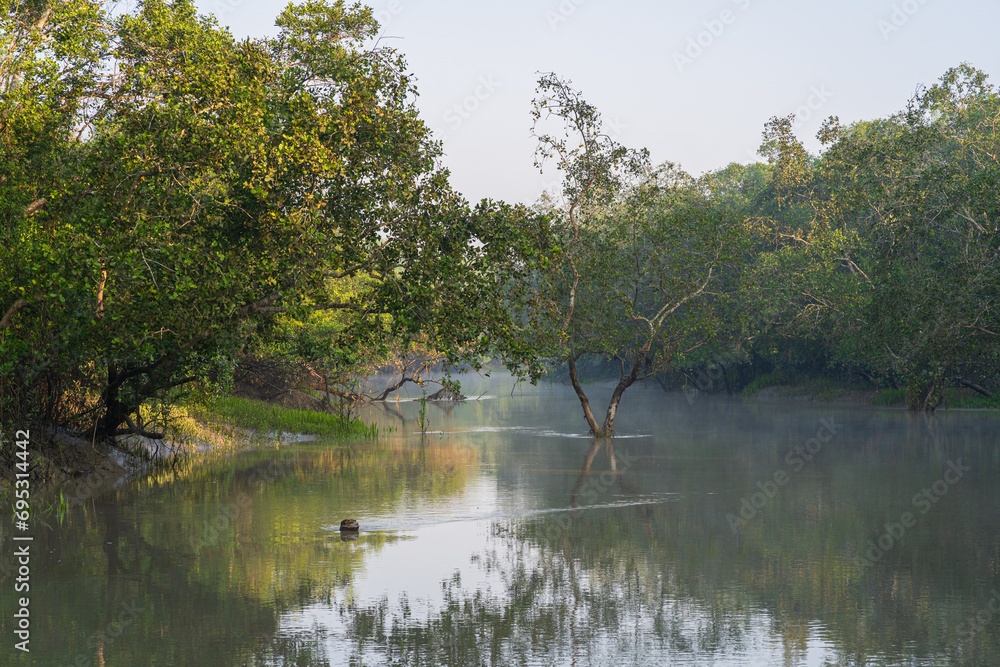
[(179, 207)]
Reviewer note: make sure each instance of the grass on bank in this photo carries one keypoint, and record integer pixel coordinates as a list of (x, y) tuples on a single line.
[(775, 379), (219, 424), (890, 398), (815, 388), (265, 418)]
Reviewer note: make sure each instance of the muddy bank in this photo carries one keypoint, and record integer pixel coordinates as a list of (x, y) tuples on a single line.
[(80, 468)]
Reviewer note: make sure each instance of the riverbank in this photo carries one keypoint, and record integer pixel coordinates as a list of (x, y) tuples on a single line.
[(63, 461), (230, 423)]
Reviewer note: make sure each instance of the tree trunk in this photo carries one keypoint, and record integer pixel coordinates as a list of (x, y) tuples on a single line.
[(99, 305), (115, 411), (730, 387), (922, 397), (6, 320), (623, 384), (584, 402)]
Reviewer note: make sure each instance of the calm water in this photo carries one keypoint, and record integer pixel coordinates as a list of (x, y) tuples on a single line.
[(715, 532)]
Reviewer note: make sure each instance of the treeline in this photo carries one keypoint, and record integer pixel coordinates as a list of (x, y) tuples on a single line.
[(880, 258), (885, 252), (173, 201), (177, 206)]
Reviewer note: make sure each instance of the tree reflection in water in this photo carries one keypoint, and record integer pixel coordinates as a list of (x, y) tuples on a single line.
[(597, 594)]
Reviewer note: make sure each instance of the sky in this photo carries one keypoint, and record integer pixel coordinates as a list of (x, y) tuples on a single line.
[(693, 82)]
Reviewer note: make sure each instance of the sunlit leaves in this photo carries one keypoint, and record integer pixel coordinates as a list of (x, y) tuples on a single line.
[(897, 268), (213, 185)]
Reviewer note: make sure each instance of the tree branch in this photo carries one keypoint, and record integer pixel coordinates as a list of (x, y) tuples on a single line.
[(658, 319), (351, 306), (390, 389), (99, 309), (33, 207), (135, 430), (11, 312), (43, 19), (992, 333), (263, 305), (975, 387)]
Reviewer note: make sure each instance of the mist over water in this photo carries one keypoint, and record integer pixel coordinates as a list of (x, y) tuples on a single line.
[(711, 531)]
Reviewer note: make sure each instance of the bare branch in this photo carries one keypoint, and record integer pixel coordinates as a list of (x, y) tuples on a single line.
[(987, 331), (794, 237), (263, 305), (394, 387), (854, 267), (135, 430), (667, 310), (966, 214)]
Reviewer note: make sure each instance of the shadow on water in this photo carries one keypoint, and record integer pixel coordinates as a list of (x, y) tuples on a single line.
[(711, 532)]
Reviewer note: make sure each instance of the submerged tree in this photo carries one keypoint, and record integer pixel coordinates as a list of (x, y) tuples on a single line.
[(642, 250), (177, 190)]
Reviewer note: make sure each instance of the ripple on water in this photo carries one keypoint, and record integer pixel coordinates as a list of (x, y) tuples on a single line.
[(401, 524)]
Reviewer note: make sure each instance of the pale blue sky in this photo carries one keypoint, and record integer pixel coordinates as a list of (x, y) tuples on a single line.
[(476, 65)]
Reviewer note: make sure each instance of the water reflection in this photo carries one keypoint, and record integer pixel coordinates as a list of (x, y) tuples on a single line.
[(508, 538), (636, 563)]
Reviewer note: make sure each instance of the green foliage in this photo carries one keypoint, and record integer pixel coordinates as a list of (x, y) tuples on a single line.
[(772, 379), (896, 268), (890, 398), (422, 414), (174, 199), (971, 401), (264, 418), (644, 251)]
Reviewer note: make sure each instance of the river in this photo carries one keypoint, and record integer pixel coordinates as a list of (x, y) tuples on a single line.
[(714, 531)]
